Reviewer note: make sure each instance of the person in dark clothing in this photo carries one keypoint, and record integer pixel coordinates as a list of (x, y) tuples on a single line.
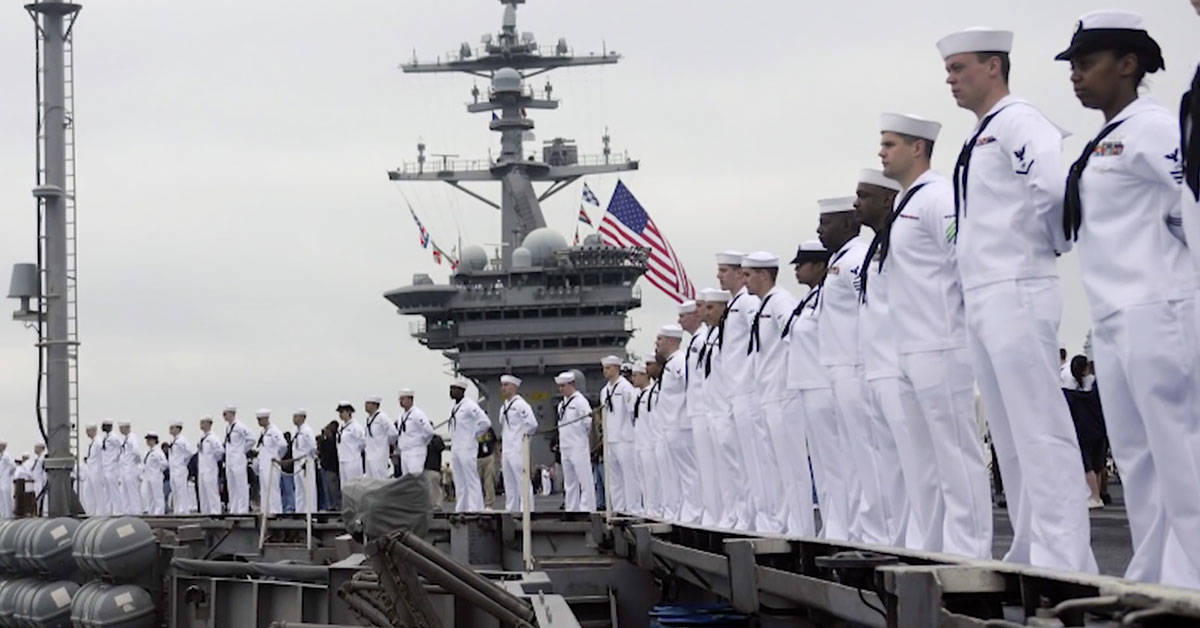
[(1083, 399), (433, 470), (329, 487)]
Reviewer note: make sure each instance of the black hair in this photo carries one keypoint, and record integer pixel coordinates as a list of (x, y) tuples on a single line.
[(1005, 62), (1079, 365)]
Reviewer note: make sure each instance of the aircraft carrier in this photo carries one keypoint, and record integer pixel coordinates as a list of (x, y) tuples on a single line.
[(541, 307)]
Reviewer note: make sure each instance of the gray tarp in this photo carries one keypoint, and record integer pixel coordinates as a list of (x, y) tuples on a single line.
[(376, 507), (285, 571)]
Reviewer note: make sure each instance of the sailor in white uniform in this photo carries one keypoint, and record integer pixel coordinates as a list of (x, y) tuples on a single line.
[(130, 463), (681, 489), (1123, 195), (110, 468), (467, 423), (872, 511), (925, 300), (784, 429), (1189, 153), (574, 445), (270, 449), (708, 496), (239, 440), (414, 431), (304, 463), (89, 477), (644, 442), (8, 466), (37, 470), (1008, 201), (616, 401), (209, 450), (351, 441), (183, 494), (154, 464), (517, 422), (826, 436), (903, 440), (381, 434), (755, 507), (725, 456)]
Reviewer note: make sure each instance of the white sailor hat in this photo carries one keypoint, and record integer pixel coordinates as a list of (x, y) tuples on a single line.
[(639, 367), (229, 408), (687, 307), (406, 392), (566, 377), (344, 405), (207, 417), (871, 176), (459, 382), (760, 259), (975, 39), (627, 366), (374, 399), (123, 424), (178, 424), (91, 426), (1114, 30), (837, 205), (106, 421), (610, 360), (262, 413), (809, 251), (510, 379), (908, 124), (670, 330), (151, 434), (300, 412), (716, 295), (730, 258)]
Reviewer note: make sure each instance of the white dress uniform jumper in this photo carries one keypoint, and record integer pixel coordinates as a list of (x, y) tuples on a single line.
[(644, 446), (414, 432), (304, 468), (94, 473), (271, 447), (154, 463), (110, 472), (131, 474), (736, 505), (517, 422), (467, 422), (616, 402), (351, 439), (183, 495), (380, 433), (1009, 190), (700, 419), (1145, 344), (8, 467), (575, 426), (927, 317)]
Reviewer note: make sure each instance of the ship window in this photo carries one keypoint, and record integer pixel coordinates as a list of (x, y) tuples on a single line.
[(512, 314), (570, 311), (493, 345), (589, 342), (512, 345), (587, 311), (550, 343), (491, 315), (531, 313), (570, 342), (531, 344), (474, 346)]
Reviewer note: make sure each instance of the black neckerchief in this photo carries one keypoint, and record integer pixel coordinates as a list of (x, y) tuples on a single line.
[(1072, 204), (262, 436), (755, 341), (963, 165), (200, 445), (562, 406), (882, 242), (370, 420), (145, 458), (687, 360), (454, 414), (1189, 110), (707, 352), (229, 433), (340, 428), (611, 389), (404, 421), (724, 317), (655, 390), (811, 297), (637, 407)]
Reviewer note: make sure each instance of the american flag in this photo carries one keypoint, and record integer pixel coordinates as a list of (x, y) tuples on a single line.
[(627, 224)]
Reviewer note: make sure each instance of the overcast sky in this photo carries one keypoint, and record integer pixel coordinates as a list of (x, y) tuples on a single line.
[(237, 228)]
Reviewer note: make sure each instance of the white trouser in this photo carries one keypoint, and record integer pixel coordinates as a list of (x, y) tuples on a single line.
[(1012, 334), (304, 484), (183, 496), (83, 487), (911, 450), (943, 386), (750, 423), (1148, 371), (110, 495), (614, 479), (131, 491), (624, 452), (870, 514), (210, 490), (785, 419), (237, 484), (412, 460), (668, 480), (350, 471), (706, 468), (6, 501), (152, 490), (827, 447), (651, 482), (512, 469), (270, 497), (578, 483), (378, 466), (468, 490), (736, 513), (682, 448)]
